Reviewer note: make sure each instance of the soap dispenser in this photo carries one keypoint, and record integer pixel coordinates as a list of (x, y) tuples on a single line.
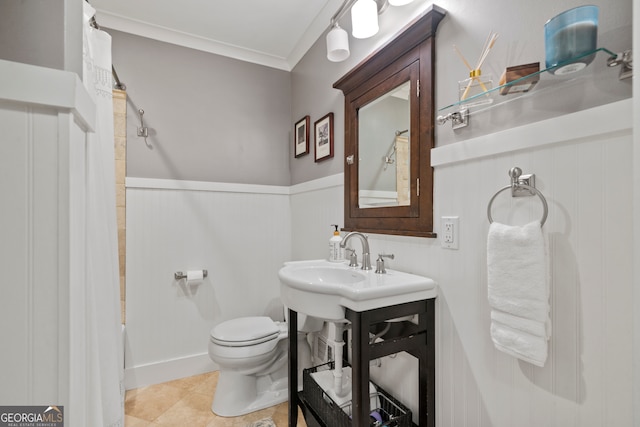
[(336, 252)]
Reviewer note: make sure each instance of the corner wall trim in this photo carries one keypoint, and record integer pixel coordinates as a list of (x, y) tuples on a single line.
[(318, 184), (48, 87), (227, 187)]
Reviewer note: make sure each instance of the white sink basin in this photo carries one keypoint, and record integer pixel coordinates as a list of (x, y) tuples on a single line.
[(323, 289)]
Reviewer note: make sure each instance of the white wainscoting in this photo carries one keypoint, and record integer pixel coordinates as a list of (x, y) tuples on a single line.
[(586, 180), (586, 380), (315, 205), (240, 233), (45, 116)]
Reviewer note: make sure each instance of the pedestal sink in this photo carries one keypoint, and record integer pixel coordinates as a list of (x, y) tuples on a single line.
[(323, 289)]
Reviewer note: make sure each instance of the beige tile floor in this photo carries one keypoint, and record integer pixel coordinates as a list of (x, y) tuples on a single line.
[(187, 402)]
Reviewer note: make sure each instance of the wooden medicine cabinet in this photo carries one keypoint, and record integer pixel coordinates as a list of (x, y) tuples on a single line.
[(389, 133)]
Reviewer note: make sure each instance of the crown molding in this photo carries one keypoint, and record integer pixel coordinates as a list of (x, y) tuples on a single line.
[(179, 38)]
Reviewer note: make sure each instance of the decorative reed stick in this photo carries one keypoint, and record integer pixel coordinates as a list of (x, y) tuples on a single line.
[(474, 73), (468, 66), (462, 57)]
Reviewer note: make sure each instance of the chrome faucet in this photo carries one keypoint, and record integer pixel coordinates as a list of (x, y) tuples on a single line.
[(353, 258), (380, 263), (366, 260)]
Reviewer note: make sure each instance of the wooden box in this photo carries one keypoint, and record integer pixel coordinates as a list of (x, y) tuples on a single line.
[(518, 72)]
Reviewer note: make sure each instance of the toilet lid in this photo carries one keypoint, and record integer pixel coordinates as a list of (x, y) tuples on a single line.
[(245, 331)]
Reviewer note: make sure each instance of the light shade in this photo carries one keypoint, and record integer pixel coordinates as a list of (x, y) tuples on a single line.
[(364, 19), (337, 44), (399, 2)]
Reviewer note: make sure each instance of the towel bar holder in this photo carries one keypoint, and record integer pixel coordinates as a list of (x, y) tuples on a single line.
[(521, 185)]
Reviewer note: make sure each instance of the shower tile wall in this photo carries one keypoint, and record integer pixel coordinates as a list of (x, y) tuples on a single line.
[(120, 141)]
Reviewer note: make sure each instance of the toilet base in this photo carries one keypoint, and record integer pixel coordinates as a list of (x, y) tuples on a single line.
[(238, 394), (241, 393)]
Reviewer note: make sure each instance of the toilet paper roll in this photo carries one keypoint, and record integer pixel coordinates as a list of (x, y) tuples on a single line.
[(194, 276)]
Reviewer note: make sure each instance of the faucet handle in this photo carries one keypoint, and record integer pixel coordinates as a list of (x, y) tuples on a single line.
[(380, 262), (353, 258)]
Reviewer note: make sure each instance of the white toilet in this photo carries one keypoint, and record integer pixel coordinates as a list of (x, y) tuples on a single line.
[(252, 355)]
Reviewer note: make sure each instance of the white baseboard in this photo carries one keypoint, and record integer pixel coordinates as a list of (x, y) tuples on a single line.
[(169, 370)]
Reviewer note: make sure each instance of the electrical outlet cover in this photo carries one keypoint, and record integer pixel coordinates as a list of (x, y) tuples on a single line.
[(450, 232)]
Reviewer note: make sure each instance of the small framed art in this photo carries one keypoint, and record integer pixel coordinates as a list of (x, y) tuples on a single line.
[(301, 137), (324, 138)]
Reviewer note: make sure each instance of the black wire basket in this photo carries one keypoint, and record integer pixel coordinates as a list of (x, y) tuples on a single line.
[(389, 412)]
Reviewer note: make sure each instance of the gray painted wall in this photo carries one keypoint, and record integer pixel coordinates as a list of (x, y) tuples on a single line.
[(210, 118), (520, 24), (217, 119), (46, 33)]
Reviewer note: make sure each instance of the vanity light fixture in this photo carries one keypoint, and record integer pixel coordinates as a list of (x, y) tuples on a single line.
[(364, 22), (337, 44), (364, 19), (399, 2)]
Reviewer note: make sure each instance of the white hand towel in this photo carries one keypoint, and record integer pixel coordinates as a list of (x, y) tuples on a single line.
[(518, 290), (524, 346), (533, 327)]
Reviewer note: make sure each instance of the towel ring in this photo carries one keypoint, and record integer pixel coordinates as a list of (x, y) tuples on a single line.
[(528, 187)]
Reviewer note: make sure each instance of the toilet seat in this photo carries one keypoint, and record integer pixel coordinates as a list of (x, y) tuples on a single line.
[(245, 331)]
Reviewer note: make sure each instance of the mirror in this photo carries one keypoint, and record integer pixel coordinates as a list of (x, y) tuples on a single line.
[(389, 132), (383, 144)]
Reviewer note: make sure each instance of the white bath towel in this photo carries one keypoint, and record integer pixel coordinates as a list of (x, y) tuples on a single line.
[(518, 291)]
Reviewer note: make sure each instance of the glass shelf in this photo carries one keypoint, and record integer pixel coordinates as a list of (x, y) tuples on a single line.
[(493, 93)]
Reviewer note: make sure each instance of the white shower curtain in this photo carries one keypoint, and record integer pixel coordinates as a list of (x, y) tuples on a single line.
[(104, 343)]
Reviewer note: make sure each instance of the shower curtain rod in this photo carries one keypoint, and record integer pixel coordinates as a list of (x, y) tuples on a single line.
[(119, 85)]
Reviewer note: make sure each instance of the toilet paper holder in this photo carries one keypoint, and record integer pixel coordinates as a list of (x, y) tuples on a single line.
[(179, 275)]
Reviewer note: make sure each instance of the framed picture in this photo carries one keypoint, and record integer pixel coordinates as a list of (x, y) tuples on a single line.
[(324, 137), (301, 137)]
